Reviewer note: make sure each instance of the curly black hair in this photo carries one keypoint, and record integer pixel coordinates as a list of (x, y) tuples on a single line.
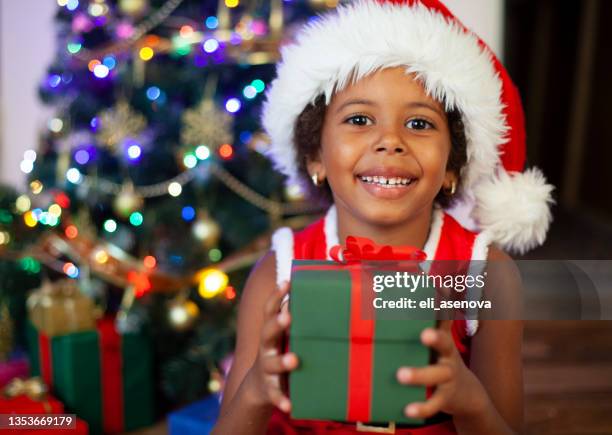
[(307, 138)]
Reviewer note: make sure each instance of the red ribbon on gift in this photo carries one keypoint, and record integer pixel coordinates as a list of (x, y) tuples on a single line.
[(111, 367), (361, 331), (363, 249)]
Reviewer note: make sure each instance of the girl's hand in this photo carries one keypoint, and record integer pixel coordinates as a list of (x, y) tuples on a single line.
[(270, 364), (458, 391)]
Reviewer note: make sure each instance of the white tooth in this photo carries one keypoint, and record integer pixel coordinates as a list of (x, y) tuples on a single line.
[(369, 179), (383, 180), (392, 181), (375, 179)]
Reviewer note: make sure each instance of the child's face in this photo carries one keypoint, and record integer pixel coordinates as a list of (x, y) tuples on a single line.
[(384, 127)]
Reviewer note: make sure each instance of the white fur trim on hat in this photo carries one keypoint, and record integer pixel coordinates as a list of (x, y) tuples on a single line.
[(365, 36)]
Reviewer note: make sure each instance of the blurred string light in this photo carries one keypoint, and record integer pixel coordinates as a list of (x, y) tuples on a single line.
[(231, 3), (74, 175), (91, 66), (30, 265), (212, 22), (188, 213), (212, 282), (133, 150), (136, 219), (150, 262), (101, 256), (36, 186), (210, 45), (233, 105), (30, 219), (190, 160), (214, 255), (175, 189), (55, 125), (186, 31), (110, 226), (226, 151), (55, 210), (54, 80), (153, 93), (71, 231), (109, 61), (146, 53), (71, 270), (23, 203), (74, 47), (5, 238), (71, 5), (249, 92), (202, 152), (27, 164), (101, 71), (82, 157), (259, 85)]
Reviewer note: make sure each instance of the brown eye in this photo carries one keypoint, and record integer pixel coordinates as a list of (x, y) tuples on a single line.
[(419, 124), (358, 120)]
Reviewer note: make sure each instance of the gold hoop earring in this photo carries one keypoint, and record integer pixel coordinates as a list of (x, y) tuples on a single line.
[(452, 190)]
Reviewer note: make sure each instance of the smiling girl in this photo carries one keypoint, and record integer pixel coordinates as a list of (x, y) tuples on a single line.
[(390, 111)]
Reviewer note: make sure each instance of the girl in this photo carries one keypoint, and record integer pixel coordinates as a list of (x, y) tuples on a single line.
[(393, 109)]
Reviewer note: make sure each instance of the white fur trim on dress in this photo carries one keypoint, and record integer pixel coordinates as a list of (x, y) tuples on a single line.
[(365, 36), (330, 228), (435, 230), (515, 208), (478, 262), (282, 245)]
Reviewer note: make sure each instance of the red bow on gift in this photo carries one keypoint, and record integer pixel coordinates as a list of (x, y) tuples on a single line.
[(361, 248)]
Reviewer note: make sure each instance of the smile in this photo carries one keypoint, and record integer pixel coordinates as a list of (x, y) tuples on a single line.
[(385, 182)]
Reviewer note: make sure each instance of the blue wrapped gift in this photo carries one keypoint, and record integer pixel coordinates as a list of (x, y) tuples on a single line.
[(197, 418)]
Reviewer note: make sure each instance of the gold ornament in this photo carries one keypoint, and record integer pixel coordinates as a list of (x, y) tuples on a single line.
[(207, 230), (60, 308), (215, 384), (6, 332), (119, 123), (128, 201), (323, 4), (182, 313), (206, 125), (133, 8)]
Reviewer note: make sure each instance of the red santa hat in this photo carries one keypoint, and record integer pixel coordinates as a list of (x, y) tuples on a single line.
[(455, 66)]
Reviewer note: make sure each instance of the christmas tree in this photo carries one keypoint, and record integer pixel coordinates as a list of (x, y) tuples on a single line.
[(150, 187)]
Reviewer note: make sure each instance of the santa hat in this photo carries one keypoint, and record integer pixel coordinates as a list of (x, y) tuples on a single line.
[(455, 66)]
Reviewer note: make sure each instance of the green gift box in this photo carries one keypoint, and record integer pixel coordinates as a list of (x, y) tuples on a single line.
[(104, 377), (348, 358)]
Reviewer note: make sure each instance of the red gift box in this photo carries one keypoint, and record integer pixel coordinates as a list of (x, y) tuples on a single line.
[(31, 399)]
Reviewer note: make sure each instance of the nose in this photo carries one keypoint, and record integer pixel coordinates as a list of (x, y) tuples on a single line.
[(390, 143)]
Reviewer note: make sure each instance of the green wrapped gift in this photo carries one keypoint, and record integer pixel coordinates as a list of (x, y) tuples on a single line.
[(348, 358), (104, 377)]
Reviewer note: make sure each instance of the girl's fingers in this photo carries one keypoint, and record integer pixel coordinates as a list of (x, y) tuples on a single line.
[(279, 399), (428, 376), (439, 340), (273, 329), (277, 364), (273, 303), (426, 409)]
